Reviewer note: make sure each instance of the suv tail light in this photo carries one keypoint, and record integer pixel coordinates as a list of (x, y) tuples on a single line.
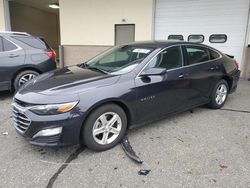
[(51, 54), (237, 64)]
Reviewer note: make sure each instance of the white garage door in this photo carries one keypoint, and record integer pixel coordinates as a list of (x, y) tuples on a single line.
[(206, 17)]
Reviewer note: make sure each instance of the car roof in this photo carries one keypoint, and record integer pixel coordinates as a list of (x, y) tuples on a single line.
[(161, 43)]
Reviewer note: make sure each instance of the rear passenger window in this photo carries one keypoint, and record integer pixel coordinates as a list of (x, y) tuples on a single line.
[(175, 37), (197, 54), (170, 58), (8, 46), (213, 54), (32, 41)]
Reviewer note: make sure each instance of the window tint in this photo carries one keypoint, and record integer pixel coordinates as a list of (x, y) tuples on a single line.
[(1, 44), (214, 54), (196, 38), (32, 41), (170, 58), (8, 46), (222, 38), (117, 56), (120, 59), (134, 54), (197, 54), (175, 37)]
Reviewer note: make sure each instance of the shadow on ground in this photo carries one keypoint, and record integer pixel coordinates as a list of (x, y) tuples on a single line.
[(5, 95)]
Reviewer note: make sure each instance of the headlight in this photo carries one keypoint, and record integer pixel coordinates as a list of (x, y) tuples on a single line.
[(52, 109)]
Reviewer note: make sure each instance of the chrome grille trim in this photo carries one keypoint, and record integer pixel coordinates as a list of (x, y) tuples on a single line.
[(21, 121)]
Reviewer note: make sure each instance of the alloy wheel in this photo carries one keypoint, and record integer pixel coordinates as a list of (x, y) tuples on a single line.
[(221, 94), (107, 128), (26, 78)]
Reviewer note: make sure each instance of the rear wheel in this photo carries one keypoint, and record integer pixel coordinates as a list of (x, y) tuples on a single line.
[(23, 77), (104, 127), (219, 94)]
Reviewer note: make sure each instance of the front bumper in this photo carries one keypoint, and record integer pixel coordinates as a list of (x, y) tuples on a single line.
[(28, 125)]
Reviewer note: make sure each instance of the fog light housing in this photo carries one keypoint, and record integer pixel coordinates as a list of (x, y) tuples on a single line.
[(48, 132)]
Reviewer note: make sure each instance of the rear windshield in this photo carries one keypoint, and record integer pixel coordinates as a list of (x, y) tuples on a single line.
[(34, 42)]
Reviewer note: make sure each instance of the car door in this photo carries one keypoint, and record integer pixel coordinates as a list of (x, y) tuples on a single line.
[(202, 73), (158, 95), (11, 56)]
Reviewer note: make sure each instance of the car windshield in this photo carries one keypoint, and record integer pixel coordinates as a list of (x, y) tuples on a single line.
[(119, 60)]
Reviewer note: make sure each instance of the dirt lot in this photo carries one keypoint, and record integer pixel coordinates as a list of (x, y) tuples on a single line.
[(207, 148)]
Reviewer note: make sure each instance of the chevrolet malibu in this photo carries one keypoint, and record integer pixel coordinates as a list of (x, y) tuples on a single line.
[(95, 102)]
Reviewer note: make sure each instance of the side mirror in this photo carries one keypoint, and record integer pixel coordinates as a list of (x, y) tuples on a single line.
[(154, 72)]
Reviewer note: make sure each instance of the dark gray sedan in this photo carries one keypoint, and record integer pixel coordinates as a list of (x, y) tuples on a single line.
[(94, 103)]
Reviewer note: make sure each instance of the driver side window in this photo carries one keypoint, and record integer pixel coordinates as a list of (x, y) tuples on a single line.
[(170, 58)]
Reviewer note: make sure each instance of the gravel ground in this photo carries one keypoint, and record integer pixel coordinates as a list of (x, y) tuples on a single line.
[(207, 148)]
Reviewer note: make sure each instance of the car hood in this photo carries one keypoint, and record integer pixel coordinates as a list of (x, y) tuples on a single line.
[(71, 80)]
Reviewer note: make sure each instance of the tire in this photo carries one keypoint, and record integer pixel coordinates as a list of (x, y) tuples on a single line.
[(99, 120), (218, 100), (27, 74)]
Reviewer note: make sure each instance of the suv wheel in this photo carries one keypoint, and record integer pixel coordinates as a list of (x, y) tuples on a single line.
[(23, 77), (104, 127), (219, 94)]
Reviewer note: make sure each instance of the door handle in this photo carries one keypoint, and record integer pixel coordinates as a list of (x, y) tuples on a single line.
[(212, 68), (13, 55), (181, 75)]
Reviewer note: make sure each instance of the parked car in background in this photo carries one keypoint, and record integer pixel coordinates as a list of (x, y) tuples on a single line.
[(23, 57), (95, 102)]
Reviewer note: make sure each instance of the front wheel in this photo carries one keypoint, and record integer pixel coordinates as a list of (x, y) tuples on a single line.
[(104, 127), (219, 94)]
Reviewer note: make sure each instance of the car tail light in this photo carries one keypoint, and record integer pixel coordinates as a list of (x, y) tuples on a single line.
[(51, 54), (237, 64)]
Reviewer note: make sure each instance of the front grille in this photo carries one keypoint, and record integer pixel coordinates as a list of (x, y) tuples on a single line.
[(21, 121)]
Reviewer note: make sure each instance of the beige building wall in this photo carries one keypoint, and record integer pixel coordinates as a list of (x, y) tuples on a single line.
[(75, 54), (246, 71), (2, 20), (36, 22), (91, 22), (88, 26), (245, 64), (248, 34)]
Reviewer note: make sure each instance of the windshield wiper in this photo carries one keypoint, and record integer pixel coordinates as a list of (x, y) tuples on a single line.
[(85, 66), (96, 69), (82, 65)]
